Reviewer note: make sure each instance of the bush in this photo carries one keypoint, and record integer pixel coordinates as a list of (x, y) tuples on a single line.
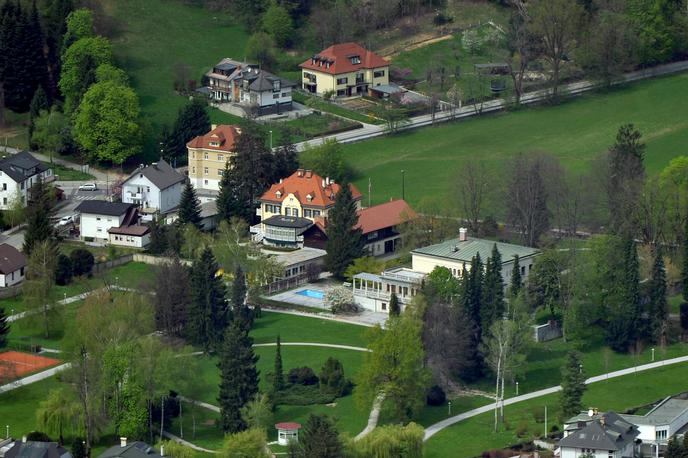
[(38, 436), (341, 300), (302, 395), (436, 396), (332, 378), (302, 376), (442, 19), (522, 428), (390, 440), (538, 414), (63, 270), (82, 261), (684, 317)]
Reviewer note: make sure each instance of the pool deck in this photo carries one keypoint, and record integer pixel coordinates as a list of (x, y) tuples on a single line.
[(292, 297)]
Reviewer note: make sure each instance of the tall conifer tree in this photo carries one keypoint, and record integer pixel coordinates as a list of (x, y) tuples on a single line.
[(572, 386), (238, 377), (278, 376), (207, 314), (658, 306), (516, 280), (394, 307), (344, 241), (39, 213), (192, 120), (684, 273), (189, 207), (492, 306)]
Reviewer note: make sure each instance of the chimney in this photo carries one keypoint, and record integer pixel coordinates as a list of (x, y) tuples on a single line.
[(591, 412), (122, 441), (323, 183), (24, 439), (602, 420), (463, 234), (327, 181), (162, 450), (213, 126)]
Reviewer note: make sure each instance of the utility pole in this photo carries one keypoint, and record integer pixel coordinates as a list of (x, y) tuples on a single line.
[(403, 186), (545, 420), (369, 190)]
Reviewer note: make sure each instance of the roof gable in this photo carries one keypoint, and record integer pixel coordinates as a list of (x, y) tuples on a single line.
[(459, 250), (344, 58), (21, 166), (389, 214), (309, 188), (221, 138), (160, 173)]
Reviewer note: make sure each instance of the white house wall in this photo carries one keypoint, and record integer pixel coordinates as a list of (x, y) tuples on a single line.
[(10, 189), (426, 264), (130, 240), (11, 279), (97, 226)]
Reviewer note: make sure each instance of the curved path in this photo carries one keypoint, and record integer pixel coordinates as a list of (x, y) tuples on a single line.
[(439, 426), (312, 344)]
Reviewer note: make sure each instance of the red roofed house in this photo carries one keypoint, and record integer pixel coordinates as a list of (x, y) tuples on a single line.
[(345, 69), (378, 223), (292, 206), (207, 157)]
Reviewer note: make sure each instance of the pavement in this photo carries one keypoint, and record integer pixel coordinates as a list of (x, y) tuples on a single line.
[(439, 426), (313, 344), (34, 378), (366, 318)]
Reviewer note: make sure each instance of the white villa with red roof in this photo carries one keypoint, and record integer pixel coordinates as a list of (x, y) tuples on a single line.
[(345, 69)]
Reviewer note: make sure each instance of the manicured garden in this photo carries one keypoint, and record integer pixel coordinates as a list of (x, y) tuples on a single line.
[(575, 131), (471, 437)]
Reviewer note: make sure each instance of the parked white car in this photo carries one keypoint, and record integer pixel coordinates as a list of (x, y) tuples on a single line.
[(65, 220), (88, 187)]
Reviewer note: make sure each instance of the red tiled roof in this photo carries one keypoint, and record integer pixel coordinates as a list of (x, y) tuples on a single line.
[(339, 58), (224, 134), (389, 214), (135, 230), (304, 183), (288, 426)]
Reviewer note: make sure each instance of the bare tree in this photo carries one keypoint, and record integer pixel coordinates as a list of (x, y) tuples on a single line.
[(524, 47), (652, 208), (557, 23), (472, 184), (527, 198)]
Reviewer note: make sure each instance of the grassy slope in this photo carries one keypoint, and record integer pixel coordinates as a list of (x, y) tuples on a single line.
[(151, 36), (292, 328), (471, 437), (575, 132)]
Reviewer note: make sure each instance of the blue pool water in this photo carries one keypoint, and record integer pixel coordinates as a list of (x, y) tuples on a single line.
[(315, 294)]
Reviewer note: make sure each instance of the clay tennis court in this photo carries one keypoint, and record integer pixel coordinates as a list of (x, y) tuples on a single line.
[(16, 364)]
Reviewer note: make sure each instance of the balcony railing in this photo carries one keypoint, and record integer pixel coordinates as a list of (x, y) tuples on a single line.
[(135, 195), (401, 277), (382, 295)]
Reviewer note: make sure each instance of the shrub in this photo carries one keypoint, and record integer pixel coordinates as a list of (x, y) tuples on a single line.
[(390, 440), (436, 396), (79, 448), (332, 378), (302, 395), (63, 270), (82, 261), (442, 19), (341, 300), (302, 376), (684, 316), (522, 428), (538, 414), (38, 436)]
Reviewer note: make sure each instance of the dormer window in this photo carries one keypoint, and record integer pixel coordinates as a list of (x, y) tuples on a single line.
[(309, 197), (355, 60), (215, 144), (278, 194)]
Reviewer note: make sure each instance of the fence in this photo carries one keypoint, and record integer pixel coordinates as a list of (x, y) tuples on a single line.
[(287, 283), (101, 266)]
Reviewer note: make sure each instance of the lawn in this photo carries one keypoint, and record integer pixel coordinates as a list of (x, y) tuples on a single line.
[(328, 107), (575, 131), (150, 37), (473, 436), (18, 407), (293, 328), (66, 174)]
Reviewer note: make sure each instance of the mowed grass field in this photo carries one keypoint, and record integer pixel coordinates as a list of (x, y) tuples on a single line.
[(576, 132), (149, 37), (471, 437)]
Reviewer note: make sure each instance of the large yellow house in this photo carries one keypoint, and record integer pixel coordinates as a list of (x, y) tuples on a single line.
[(207, 157), (344, 69)]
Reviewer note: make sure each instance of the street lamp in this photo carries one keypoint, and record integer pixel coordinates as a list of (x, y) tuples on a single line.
[(65, 297), (516, 388), (7, 434), (449, 406), (653, 355), (270, 140), (580, 368)]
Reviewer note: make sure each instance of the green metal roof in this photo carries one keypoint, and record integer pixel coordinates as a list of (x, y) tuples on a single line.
[(466, 251)]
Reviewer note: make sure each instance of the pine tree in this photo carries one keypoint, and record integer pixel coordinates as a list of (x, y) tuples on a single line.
[(38, 102), (227, 203), (207, 314), (239, 303), (658, 306), (469, 303), (674, 449), (192, 120), (238, 377), (684, 273), (38, 215), (278, 376), (344, 241), (4, 329), (572, 385), (516, 280), (189, 207), (492, 306), (320, 438), (394, 307), (158, 238)]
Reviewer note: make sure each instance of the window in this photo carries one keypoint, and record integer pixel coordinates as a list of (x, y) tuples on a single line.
[(661, 434), (97, 219), (193, 169), (4, 186), (100, 229), (275, 96), (355, 60), (4, 200), (284, 94), (307, 212), (342, 80), (378, 74), (394, 288), (341, 92), (147, 188), (205, 182), (205, 170), (405, 290), (316, 213), (21, 185), (215, 144), (295, 211), (523, 270), (193, 155), (384, 306)]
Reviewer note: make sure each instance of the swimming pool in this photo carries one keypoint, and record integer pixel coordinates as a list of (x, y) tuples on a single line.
[(312, 293)]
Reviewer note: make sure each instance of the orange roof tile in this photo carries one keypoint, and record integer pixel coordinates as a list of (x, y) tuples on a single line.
[(303, 183), (224, 134), (339, 60), (389, 214)]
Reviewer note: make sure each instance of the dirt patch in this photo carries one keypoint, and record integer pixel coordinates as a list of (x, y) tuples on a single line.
[(420, 44), (209, 423), (16, 364)]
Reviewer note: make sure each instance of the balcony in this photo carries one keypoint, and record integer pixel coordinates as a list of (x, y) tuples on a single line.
[(259, 212), (135, 195)]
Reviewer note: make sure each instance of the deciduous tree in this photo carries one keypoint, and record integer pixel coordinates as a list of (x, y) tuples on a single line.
[(171, 297), (79, 63), (527, 203)]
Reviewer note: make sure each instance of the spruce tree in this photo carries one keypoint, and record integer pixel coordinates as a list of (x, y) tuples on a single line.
[(674, 449), (394, 307), (38, 215), (4, 329), (516, 280), (227, 203), (492, 306), (684, 273), (278, 376), (239, 301), (658, 306), (572, 385), (238, 377), (189, 207), (344, 241), (192, 120), (470, 303), (207, 314), (38, 102), (320, 438)]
